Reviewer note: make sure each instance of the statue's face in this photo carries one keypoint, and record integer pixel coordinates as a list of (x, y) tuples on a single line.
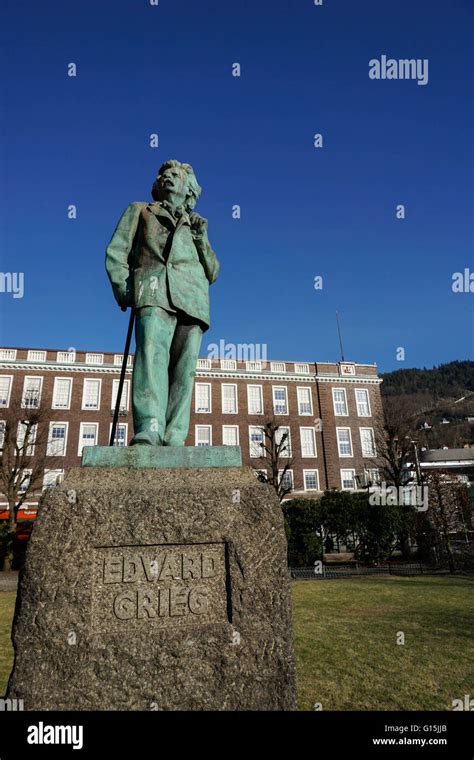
[(172, 186)]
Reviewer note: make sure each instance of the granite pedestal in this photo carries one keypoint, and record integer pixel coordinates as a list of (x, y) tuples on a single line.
[(150, 588)]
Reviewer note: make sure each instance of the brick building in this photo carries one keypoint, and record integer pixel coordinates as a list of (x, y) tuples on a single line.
[(328, 408)]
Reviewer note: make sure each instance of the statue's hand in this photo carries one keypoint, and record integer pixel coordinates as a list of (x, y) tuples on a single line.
[(198, 225)]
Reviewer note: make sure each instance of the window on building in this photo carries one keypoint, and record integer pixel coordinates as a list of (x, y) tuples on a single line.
[(372, 476), (62, 392), (204, 364), (2, 433), (121, 432), (24, 480), (228, 364), (362, 401), (91, 394), (230, 435), (340, 402), (344, 442), (229, 398), (31, 397), (5, 389), (277, 367), (66, 357), (311, 480), (57, 439), (24, 430), (302, 369), (280, 399), (256, 439), (253, 366), (94, 358), (255, 399), (202, 393), (367, 441), (88, 435), (286, 479), (286, 448), (203, 435), (348, 482), (36, 356), (52, 478), (308, 442), (124, 399), (305, 405)]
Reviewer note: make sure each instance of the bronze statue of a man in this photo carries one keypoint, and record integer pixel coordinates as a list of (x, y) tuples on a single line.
[(160, 263)]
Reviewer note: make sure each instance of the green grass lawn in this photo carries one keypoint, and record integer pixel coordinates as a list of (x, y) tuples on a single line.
[(345, 637), (347, 655)]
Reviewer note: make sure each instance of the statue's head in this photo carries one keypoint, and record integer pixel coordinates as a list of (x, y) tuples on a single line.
[(176, 183)]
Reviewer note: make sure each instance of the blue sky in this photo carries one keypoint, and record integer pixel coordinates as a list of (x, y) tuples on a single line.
[(305, 211)]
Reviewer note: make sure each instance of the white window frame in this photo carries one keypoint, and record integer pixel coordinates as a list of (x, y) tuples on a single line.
[(9, 392), (261, 453), (231, 385), (30, 451), (83, 403), (374, 450), (40, 356), (2, 432), (366, 391), (59, 474), (209, 387), (230, 427), (203, 364), (343, 487), (279, 433), (25, 471), (24, 405), (368, 472), (306, 389), (125, 394), (313, 435), (317, 479), (49, 446), (334, 402), (277, 367), (302, 369), (81, 444), (260, 390), (280, 388), (196, 438), (53, 402), (290, 473), (121, 425), (229, 364), (338, 431)]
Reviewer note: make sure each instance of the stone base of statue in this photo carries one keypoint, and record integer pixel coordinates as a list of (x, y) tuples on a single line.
[(152, 588)]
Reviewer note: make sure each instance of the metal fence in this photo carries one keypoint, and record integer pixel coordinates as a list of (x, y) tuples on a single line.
[(322, 571)]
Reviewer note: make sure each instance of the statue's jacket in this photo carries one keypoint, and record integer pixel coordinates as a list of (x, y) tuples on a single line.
[(154, 260)]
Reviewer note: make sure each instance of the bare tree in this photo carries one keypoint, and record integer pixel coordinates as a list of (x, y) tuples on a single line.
[(24, 432), (448, 511), (277, 457)]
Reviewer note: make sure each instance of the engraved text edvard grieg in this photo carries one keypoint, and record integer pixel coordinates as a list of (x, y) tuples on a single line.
[(166, 585)]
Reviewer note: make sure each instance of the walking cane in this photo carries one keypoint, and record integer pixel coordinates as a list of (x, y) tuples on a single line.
[(122, 374)]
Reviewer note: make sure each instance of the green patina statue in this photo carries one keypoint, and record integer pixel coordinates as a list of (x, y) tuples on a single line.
[(160, 263)]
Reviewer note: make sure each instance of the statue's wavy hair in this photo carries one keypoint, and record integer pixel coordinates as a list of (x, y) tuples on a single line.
[(194, 189)]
